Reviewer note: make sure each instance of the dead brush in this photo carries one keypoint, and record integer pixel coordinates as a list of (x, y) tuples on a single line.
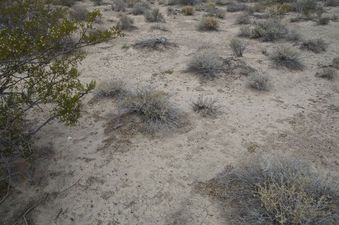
[(208, 23), (154, 108), (157, 43), (205, 106), (206, 63), (286, 57), (314, 45), (110, 89), (277, 191)]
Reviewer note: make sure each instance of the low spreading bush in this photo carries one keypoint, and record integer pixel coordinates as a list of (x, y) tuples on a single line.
[(236, 7), (259, 82), (126, 23), (205, 106), (140, 8), (269, 30), (156, 43), (154, 15), (110, 89), (314, 45), (286, 57), (208, 23), (206, 63), (243, 19), (154, 108), (119, 6), (327, 73)]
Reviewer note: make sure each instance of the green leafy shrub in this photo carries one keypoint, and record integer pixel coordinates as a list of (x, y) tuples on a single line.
[(154, 15), (206, 63), (208, 23), (205, 106), (314, 45), (39, 55), (286, 57), (237, 47)]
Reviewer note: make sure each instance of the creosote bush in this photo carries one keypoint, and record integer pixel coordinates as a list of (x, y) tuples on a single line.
[(282, 191), (154, 15), (205, 106), (314, 45), (208, 23), (39, 57), (238, 47), (154, 108), (206, 63), (286, 57), (259, 82)]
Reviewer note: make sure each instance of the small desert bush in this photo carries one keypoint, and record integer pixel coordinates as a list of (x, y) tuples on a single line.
[(159, 27), (314, 45), (208, 23), (335, 62), (243, 19), (68, 3), (245, 31), (306, 7), (126, 23), (237, 47), (216, 12), (154, 15), (97, 2), (140, 8), (206, 63), (187, 10), (286, 57), (79, 13), (332, 3), (280, 191), (236, 7), (110, 89), (293, 35), (323, 20), (153, 107), (205, 106), (258, 82), (327, 73), (269, 30), (156, 43), (119, 6)]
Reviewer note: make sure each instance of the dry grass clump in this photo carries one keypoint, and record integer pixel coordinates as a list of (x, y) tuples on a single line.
[(205, 106), (259, 82), (243, 19), (206, 63), (238, 47), (140, 8), (327, 73), (79, 13), (278, 191), (187, 10), (154, 109), (314, 45), (156, 43), (286, 57), (236, 7), (208, 23), (126, 23), (269, 30), (160, 27), (110, 89), (119, 6), (154, 15), (335, 62)]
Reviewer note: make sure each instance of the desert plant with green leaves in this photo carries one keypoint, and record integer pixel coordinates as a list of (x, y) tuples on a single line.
[(39, 54)]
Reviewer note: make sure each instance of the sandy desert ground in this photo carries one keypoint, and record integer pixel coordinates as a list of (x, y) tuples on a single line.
[(105, 172)]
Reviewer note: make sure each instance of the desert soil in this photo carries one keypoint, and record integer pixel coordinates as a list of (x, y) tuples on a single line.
[(103, 171)]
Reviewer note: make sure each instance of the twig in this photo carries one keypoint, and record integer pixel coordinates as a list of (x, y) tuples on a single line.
[(7, 193), (70, 186)]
